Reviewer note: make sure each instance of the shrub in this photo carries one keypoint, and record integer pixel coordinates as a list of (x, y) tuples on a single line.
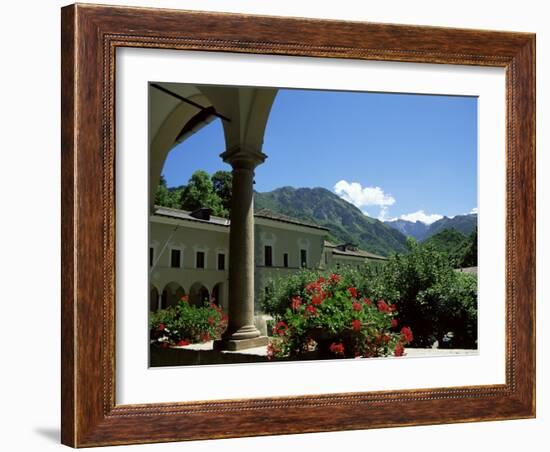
[(430, 296), (185, 324), (329, 318)]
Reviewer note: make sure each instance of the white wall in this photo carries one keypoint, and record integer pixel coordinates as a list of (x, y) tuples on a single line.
[(29, 173)]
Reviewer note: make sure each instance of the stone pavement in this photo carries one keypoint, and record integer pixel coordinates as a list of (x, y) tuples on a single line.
[(200, 354)]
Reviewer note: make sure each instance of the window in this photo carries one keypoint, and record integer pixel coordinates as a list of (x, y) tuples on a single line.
[(221, 261), (151, 256), (303, 258), (175, 259), (326, 258), (200, 259), (268, 256), (285, 260)]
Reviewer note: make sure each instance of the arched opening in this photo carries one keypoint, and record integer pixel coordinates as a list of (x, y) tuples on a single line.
[(217, 295), (198, 294), (171, 295), (153, 299)]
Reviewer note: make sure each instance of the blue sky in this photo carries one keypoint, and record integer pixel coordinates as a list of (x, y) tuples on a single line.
[(392, 155)]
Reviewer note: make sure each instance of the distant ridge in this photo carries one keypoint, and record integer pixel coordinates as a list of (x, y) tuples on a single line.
[(421, 231), (345, 222)]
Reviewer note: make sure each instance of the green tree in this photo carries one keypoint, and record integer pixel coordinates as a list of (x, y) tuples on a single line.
[(167, 197), (468, 254), (223, 186), (431, 296), (199, 192)]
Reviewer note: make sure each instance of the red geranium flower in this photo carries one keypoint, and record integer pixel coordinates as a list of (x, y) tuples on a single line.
[(399, 349), (185, 298), (183, 342), (367, 301), (383, 306), (271, 350), (205, 337), (313, 287), (281, 328), (393, 323), (356, 325), (296, 302), (310, 309), (321, 280), (211, 320), (352, 291), (337, 349), (392, 307), (334, 278), (407, 334), (161, 326), (356, 306), (317, 299)]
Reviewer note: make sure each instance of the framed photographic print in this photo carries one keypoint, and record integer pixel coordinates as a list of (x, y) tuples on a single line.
[(282, 225)]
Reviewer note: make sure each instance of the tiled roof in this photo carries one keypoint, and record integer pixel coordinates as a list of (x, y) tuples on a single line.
[(264, 213), (270, 215), (357, 253), (185, 215)]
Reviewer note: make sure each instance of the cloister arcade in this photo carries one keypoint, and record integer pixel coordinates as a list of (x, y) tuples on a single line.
[(176, 112)]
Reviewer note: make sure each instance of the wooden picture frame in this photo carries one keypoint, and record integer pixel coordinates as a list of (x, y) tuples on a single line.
[(90, 36)]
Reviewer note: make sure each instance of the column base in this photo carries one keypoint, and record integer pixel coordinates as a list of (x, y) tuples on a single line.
[(234, 345)]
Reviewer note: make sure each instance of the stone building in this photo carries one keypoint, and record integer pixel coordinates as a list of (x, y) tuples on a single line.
[(189, 254)]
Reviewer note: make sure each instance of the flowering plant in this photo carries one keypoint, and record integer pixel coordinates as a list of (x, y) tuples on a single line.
[(185, 324), (334, 320)]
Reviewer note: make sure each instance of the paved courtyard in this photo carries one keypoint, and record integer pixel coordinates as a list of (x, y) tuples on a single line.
[(199, 354)]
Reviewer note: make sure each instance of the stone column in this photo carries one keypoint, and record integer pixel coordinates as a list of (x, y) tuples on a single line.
[(241, 332)]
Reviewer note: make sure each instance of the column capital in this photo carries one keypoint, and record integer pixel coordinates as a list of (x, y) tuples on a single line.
[(243, 157)]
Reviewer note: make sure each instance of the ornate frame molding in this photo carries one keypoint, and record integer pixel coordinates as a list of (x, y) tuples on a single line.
[(90, 36)]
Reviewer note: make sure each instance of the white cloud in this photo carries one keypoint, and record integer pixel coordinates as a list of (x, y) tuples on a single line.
[(383, 215), (474, 210), (422, 216), (360, 197)]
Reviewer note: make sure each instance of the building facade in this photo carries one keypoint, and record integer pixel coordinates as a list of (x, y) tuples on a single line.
[(189, 254)]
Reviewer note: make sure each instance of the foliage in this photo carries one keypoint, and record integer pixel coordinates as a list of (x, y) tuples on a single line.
[(199, 192), (431, 297), (467, 255), (167, 197), (185, 324), (330, 319), (459, 248), (222, 182), (447, 241)]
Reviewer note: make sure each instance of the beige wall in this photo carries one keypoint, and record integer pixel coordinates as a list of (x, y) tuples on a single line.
[(189, 237), (283, 238)]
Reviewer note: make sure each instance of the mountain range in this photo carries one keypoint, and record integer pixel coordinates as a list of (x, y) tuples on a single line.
[(421, 231), (345, 222)]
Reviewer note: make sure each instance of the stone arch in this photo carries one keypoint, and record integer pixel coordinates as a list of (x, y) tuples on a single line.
[(217, 296), (247, 110), (153, 298), (171, 295), (176, 115), (198, 293)]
